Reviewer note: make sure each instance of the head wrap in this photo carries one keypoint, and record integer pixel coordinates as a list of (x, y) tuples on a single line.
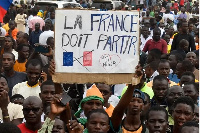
[(92, 93)]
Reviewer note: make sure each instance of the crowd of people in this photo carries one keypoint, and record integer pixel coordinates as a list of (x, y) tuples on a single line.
[(164, 97)]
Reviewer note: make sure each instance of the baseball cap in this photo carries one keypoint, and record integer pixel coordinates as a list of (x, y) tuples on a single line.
[(138, 94)]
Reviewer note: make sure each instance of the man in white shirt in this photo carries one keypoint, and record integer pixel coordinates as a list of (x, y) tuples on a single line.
[(30, 87), (144, 37), (47, 33)]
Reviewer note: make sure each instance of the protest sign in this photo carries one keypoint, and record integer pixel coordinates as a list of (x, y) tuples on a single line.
[(89, 44)]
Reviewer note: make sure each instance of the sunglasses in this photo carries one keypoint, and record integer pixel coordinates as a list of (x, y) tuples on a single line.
[(27, 110)]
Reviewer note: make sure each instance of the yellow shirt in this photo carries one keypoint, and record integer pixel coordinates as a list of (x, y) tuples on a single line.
[(40, 14), (20, 67), (6, 27)]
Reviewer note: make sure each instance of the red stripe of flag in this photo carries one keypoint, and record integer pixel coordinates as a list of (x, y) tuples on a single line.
[(4, 6), (2, 13)]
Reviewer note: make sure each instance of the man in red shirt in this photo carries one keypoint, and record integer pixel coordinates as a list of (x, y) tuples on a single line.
[(181, 3), (156, 42), (32, 109), (174, 6)]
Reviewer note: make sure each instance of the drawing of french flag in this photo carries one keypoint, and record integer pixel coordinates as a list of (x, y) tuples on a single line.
[(4, 6)]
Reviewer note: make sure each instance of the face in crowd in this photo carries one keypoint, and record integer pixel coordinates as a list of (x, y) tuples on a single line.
[(156, 35), (98, 122), (8, 43), (186, 78), (105, 91), (91, 105), (191, 56), (135, 106), (59, 126), (37, 26), (182, 113), (33, 73), (190, 91), (174, 93), (24, 52), (145, 31), (47, 93), (32, 110), (11, 25), (3, 84), (160, 89), (8, 61), (164, 68), (157, 121), (184, 27), (172, 61), (20, 38)]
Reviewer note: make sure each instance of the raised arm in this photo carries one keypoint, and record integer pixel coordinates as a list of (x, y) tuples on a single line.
[(118, 112)]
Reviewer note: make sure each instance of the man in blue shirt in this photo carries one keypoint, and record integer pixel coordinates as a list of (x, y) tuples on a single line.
[(34, 36)]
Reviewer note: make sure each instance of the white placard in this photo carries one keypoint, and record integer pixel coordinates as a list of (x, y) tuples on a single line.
[(89, 41)]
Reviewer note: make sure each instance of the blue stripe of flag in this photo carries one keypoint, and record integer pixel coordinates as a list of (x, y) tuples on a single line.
[(5, 3)]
